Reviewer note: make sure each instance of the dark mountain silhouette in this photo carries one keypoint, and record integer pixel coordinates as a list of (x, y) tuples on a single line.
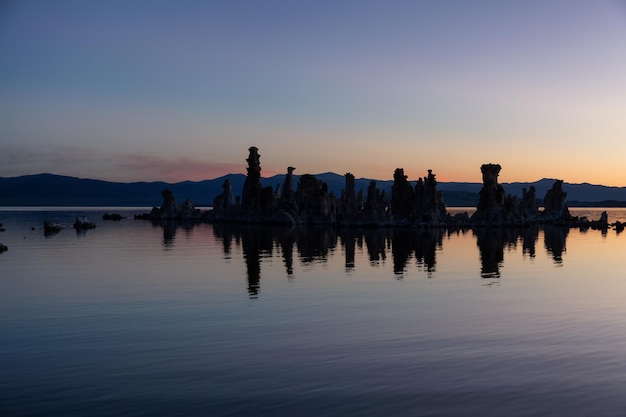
[(57, 190)]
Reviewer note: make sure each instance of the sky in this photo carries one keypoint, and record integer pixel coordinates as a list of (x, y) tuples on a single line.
[(179, 90)]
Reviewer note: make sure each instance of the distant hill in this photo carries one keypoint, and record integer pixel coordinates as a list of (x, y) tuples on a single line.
[(57, 190)]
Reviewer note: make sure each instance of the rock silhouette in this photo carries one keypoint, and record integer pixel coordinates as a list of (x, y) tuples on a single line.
[(312, 203), (252, 188), (494, 206), (112, 216), (170, 210), (420, 205), (555, 208), (223, 203)]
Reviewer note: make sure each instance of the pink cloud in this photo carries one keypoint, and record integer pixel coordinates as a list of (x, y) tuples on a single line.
[(174, 169), (84, 162)]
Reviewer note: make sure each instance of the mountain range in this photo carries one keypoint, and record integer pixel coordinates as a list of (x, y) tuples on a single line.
[(57, 190)]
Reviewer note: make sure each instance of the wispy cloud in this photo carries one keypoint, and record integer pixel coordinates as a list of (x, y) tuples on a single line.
[(23, 159), (173, 169), (84, 162)]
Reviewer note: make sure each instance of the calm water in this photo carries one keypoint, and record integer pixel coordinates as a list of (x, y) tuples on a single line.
[(133, 318)]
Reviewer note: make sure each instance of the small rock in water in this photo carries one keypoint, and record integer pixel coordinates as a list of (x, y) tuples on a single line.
[(112, 216), (83, 223)]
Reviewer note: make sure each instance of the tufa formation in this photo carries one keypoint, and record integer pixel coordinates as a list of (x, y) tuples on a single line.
[(417, 205)]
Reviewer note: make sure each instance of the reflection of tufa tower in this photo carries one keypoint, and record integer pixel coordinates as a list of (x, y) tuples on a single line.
[(252, 188)]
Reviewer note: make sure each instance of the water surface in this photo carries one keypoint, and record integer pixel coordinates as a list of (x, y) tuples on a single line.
[(135, 318)]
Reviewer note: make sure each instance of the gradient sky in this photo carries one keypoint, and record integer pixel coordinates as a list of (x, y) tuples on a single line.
[(175, 90)]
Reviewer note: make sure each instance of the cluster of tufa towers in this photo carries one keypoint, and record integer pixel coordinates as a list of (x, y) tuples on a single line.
[(419, 205)]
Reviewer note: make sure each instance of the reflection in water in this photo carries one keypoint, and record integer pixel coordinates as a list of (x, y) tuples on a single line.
[(315, 244), (257, 242), (423, 243), (286, 241), (401, 247), (349, 238), (554, 238), (491, 242), (170, 227), (169, 231), (376, 242), (529, 240)]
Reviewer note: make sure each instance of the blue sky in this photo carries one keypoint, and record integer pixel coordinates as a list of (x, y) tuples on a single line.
[(164, 90)]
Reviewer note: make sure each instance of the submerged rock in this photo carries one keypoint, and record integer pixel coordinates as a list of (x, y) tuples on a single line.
[(50, 227), (112, 216), (82, 223)]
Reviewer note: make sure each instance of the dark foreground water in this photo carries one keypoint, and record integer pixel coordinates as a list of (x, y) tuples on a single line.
[(136, 319)]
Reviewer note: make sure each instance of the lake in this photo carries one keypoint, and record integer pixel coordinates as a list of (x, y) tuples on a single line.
[(140, 319)]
